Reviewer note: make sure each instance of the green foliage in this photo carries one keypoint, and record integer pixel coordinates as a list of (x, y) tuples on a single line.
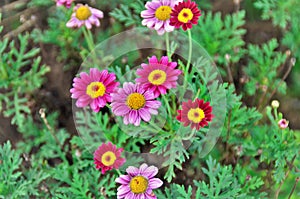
[(129, 14), (221, 37), (280, 11), (21, 74), (262, 69)]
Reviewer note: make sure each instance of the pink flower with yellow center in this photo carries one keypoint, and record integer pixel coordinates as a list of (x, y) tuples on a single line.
[(158, 76), (93, 89), (138, 183), (197, 114), (134, 103), (108, 157), (157, 16), (83, 15), (66, 3), (185, 14)]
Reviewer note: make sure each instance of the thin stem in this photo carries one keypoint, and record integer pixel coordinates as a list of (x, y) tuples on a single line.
[(169, 111), (43, 116), (190, 51), (285, 177), (186, 71), (294, 187), (89, 39), (119, 172), (168, 45)]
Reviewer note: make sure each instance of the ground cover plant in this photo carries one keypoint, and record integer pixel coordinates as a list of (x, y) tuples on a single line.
[(149, 99)]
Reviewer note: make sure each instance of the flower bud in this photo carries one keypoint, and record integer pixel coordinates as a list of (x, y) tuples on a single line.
[(275, 103)]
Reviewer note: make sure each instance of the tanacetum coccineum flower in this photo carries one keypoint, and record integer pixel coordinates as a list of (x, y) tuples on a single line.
[(185, 14), (139, 183), (157, 16), (66, 3), (134, 103), (108, 157), (93, 89), (158, 75), (84, 15), (197, 113), (283, 123)]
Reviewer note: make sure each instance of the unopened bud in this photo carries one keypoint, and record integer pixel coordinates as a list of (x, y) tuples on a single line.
[(275, 104)]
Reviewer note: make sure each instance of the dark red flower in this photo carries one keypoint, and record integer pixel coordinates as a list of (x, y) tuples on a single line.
[(197, 113), (185, 14)]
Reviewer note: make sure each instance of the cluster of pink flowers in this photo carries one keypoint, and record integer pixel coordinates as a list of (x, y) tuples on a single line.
[(166, 15), (138, 183)]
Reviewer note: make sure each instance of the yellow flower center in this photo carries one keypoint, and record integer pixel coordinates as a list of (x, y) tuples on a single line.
[(136, 101), (138, 184), (185, 15), (196, 115), (157, 77), (95, 89), (108, 158), (83, 13), (163, 13)]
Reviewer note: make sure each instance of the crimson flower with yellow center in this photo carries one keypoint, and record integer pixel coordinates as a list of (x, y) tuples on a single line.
[(108, 157), (197, 114), (185, 14), (84, 15), (93, 89), (158, 76)]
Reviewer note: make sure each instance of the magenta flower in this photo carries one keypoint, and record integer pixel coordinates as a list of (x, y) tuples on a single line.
[(93, 89), (158, 76), (139, 183), (134, 103), (66, 3), (157, 16), (283, 123), (83, 15), (108, 157)]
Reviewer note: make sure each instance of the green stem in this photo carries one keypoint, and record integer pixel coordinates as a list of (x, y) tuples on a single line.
[(89, 39), (169, 111), (186, 71), (168, 45), (3, 71)]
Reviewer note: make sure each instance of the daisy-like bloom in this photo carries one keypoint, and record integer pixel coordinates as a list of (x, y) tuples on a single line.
[(158, 75), (197, 113), (185, 14), (134, 103), (139, 183), (66, 3), (108, 157), (283, 123), (157, 16), (93, 89), (83, 15)]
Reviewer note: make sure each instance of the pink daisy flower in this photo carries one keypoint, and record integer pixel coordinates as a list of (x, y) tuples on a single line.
[(158, 76), (108, 157), (197, 113), (185, 14), (66, 3), (93, 89), (134, 103), (283, 123), (139, 183), (157, 16), (83, 15)]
